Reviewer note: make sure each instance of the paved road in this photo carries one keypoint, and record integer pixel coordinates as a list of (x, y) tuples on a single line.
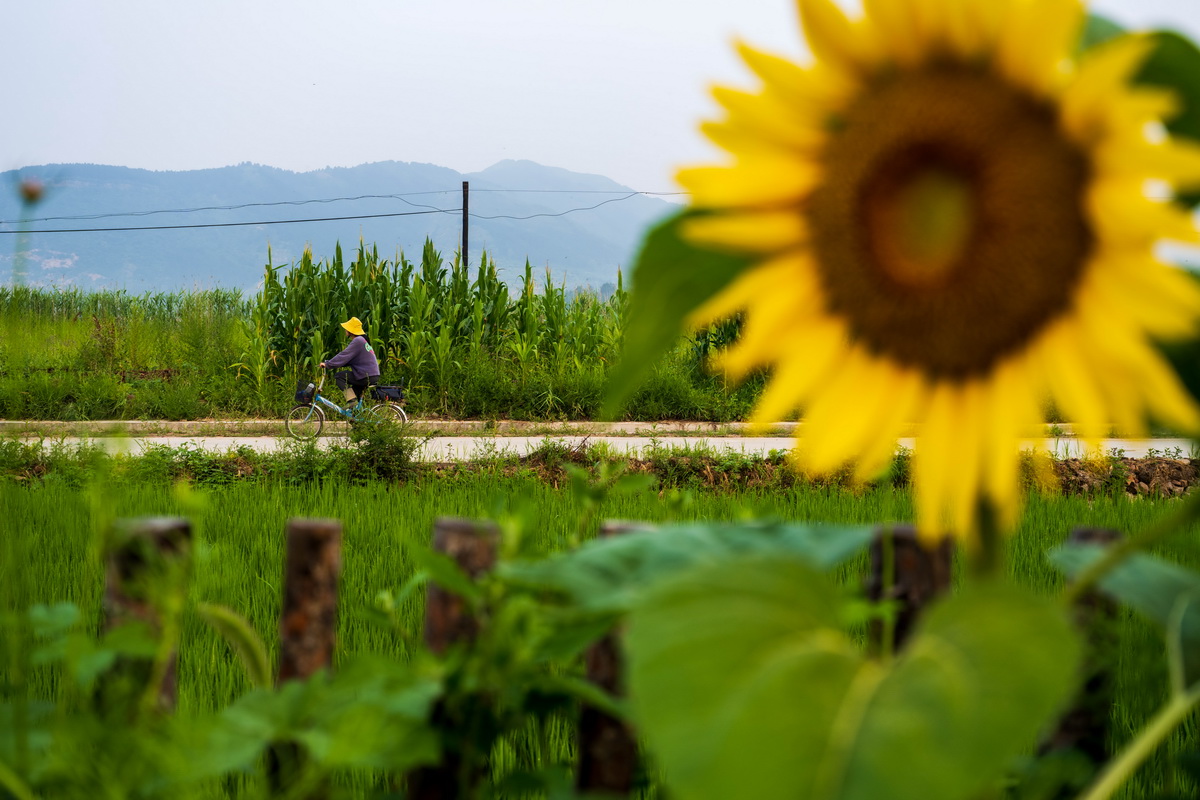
[(464, 448)]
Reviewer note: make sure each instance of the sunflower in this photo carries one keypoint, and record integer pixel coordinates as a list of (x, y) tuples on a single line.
[(953, 216)]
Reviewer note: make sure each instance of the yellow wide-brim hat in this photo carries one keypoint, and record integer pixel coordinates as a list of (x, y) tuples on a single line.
[(354, 326)]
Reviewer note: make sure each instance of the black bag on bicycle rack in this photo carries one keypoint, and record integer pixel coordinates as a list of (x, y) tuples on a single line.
[(305, 391), (392, 394)]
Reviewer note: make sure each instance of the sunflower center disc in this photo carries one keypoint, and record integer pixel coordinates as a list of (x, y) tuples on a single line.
[(948, 229), (920, 218)]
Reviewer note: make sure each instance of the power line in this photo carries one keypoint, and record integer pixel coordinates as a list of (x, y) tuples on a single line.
[(432, 210), (229, 208), (239, 224), (560, 213), (401, 197), (584, 191)]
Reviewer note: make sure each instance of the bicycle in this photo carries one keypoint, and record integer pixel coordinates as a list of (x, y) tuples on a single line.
[(307, 417)]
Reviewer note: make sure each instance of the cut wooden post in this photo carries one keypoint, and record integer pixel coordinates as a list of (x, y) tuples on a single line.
[(472, 545), (1084, 726), (919, 575), (146, 560), (307, 627), (308, 621), (608, 756)]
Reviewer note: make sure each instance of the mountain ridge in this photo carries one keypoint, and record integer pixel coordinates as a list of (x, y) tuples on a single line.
[(520, 209)]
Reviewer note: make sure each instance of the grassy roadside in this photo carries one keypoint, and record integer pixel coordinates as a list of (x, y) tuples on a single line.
[(239, 563)]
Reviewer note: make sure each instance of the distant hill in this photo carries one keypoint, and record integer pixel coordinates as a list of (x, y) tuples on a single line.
[(581, 248)]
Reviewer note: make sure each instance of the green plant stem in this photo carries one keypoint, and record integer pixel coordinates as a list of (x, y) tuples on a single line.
[(1120, 551), (12, 783), (987, 558), (1164, 723)]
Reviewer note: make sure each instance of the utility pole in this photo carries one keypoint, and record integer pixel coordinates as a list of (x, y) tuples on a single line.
[(466, 205)]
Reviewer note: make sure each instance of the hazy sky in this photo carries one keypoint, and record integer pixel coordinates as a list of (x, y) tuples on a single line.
[(613, 87)]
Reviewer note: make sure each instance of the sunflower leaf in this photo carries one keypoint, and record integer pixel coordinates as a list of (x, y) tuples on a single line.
[(671, 278), (1152, 587), (744, 685), (1098, 30), (608, 576)]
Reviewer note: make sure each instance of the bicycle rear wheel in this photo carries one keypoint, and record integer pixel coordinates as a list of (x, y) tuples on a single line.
[(305, 421), (388, 412)]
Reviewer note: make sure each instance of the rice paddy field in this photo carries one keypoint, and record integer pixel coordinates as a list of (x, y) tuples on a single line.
[(51, 528)]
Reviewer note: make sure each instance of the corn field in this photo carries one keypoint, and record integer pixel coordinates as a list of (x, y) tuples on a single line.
[(429, 322), (464, 343)]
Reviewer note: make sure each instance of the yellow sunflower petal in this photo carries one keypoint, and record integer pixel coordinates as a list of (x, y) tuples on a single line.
[(1011, 410), (1116, 343), (843, 417), (1163, 301), (1176, 162), (1122, 215), (794, 301), (1104, 71), (769, 332), (737, 295), (1135, 373), (1123, 396), (906, 393), (796, 376), (1071, 384), (757, 183), (1038, 36), (834, 39), (972, 26), (972, 427), (901, 32), (933, 461), (758, 118), (754, 232), (1166, 397), (821, 90), (1129, 117)]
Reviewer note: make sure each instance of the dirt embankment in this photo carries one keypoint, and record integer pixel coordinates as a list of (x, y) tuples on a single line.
[(1134, 477), (1156, 477)]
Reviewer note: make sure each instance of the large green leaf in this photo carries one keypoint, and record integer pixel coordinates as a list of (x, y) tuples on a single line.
[(373, 713), (607, 576), (1166, 593), (745, 686), (671, 279)]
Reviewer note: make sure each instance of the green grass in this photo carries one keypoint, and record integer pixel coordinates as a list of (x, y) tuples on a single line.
[(239, 557)]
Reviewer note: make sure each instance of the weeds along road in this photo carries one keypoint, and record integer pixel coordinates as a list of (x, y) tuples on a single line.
[(473, 447)]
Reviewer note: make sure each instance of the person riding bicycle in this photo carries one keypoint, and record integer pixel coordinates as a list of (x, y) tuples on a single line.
[(360, 357)]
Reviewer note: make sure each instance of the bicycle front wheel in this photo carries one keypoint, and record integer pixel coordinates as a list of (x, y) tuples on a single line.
[(305, 421), (388, 412)]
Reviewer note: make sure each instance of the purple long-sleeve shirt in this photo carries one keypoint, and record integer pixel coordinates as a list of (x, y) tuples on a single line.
[(359, 356)]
